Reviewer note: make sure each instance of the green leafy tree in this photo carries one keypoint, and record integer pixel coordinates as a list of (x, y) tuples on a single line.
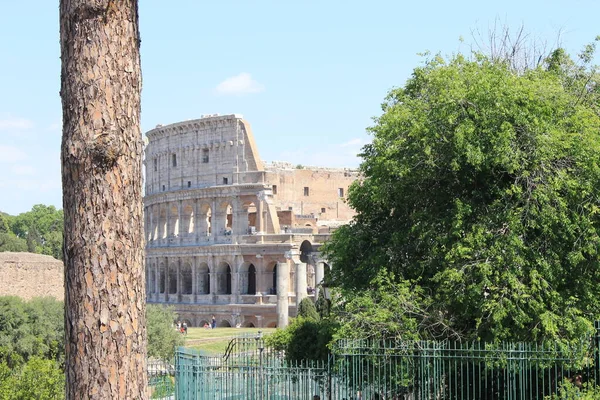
[(10, 242), (37, 379), (31, 329), (308, 310), (42, 229), (479, 191), (162, 337)]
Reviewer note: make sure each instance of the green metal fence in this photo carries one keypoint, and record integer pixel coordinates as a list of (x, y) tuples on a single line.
[(161, 379), (362, 369)]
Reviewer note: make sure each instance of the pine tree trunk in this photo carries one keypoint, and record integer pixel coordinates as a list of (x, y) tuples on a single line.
[(102, 181)]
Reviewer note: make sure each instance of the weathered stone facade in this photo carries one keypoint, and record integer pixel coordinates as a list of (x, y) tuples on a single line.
[(28, 275), (228, 235)]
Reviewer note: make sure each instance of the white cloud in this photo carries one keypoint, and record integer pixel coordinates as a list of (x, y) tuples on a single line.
[(11, 154), (11, 123), (239, 84)]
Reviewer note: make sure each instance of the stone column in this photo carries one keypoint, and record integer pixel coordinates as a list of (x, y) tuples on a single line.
[(167, 279), (194, 280), (235, 282), (213, 276), (179, 222), (300, 283), (168, 221), (157, 279), (179, 280), (319, 275), (259, 219), (283, 277), (197, 227)]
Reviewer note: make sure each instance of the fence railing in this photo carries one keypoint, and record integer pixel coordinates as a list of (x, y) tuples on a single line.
[(415, 370)]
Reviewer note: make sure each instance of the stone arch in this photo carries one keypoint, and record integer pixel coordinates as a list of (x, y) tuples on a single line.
[(224, 278), (188, 322), (249, 324), (225, 214), (202, 279), (187, 214), (224, 324), (271, 273), (247, 277), (185, 276), (251, 212), (272, 324), (203, 323), (173, 278), (306, 250)]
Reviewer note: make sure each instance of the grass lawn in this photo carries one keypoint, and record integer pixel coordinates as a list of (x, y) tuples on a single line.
[(215, 341)]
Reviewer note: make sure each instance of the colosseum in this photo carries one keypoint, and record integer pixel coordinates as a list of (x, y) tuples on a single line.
[(228, 235)]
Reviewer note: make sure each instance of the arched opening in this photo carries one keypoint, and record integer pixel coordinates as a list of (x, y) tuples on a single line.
[(224, 279), (252, 218), (188, 322), (202, 279), (273, 289), (229, 223), (174, 220), (249, 325), (188, 219), (204, 324), (186, 279), (162, 283), (251, 279), (306, 250), (173, 279), (163, 223), (272, 324), (155, 223), (204, 220), (224, 324)]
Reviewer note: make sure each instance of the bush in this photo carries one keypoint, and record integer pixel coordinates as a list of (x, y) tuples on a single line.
[(308, 310)]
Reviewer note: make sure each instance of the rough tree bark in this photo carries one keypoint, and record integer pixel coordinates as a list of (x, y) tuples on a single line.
[(102, 185)]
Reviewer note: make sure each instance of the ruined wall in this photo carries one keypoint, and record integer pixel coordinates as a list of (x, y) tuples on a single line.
[(311, 191), (28, 275)]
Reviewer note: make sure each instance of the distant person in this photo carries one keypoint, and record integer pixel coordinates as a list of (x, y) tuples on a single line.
[(185, 328), (213, 322)]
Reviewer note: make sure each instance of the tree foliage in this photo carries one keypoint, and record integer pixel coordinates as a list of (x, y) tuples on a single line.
[(304, 339), (37, 231), (31, 329), (308, 310), (37, 379), (162, 337), (480, 193)]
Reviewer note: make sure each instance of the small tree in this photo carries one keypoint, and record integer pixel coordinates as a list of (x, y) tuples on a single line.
[(308, 310), (162, 337)]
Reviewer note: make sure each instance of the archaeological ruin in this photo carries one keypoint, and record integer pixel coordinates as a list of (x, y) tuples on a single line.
[(228, 235)]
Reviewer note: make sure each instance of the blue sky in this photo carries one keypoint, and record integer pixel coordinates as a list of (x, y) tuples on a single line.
[(308, 76)]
